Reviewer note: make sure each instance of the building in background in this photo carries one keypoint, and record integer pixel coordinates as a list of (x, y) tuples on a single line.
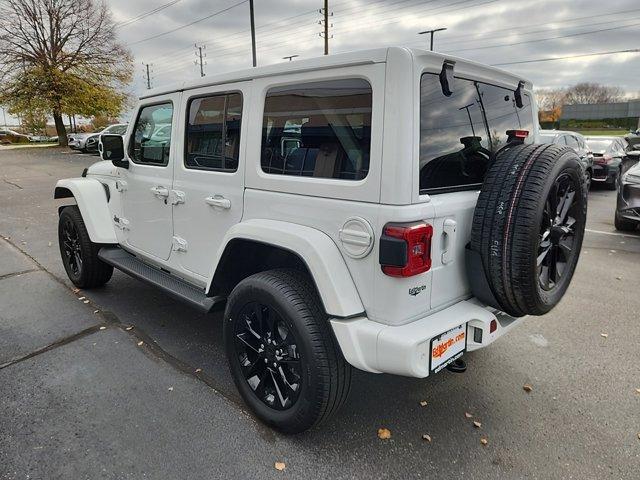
[(624, 115)]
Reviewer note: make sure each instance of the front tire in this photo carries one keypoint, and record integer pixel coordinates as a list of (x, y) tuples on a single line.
[(282, 355), (79, 254)]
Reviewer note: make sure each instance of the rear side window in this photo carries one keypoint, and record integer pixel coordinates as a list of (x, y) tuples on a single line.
[(213, 133), (460, 133), (320, 129), (151, 140)]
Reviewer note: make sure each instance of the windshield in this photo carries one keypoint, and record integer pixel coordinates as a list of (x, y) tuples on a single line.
[(458, 134), (598, 145)]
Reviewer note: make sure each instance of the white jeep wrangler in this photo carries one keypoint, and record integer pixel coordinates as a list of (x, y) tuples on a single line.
[(386, 210)]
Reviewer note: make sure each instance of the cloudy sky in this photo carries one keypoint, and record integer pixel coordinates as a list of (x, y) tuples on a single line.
[(488, 31)]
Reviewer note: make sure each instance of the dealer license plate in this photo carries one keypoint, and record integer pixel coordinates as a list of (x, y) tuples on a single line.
[(448, 347)]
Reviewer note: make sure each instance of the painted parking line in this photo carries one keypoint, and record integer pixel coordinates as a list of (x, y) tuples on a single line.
[(611, 233)]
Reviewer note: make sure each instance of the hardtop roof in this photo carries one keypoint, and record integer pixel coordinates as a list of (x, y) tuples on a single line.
[(359, 57)]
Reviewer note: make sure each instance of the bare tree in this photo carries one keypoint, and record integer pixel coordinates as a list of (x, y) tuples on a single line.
[(56, 50), (593, 93)]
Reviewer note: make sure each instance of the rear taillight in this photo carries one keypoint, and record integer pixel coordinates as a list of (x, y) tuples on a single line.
[(405, 249), (603, 160)]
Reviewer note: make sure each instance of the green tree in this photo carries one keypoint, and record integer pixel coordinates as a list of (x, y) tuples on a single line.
[(62, 56)]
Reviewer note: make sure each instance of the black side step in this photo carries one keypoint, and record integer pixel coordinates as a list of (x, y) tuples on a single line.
[(131, 265)]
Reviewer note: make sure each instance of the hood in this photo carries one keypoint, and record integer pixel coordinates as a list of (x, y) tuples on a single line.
[(104, 167)]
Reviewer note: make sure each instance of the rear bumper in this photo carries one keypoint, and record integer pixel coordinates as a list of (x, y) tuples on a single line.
[(405, 349)]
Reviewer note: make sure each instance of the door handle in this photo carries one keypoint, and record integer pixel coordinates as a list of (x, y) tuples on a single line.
[(449, 240), (160, 191), (218, 201)]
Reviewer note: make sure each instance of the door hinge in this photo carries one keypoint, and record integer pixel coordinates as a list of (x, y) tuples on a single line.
[(179, 244), (121, 222), (177, 197), (121, 185)]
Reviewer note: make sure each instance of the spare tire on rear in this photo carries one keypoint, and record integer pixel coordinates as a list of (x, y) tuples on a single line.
[(528, 228)]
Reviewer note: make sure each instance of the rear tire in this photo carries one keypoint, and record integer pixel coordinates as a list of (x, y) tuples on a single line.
[(309, 380), (623, 224), (79, 254), (528, 226)]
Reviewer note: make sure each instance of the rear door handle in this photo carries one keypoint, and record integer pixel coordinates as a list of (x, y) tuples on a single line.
[(160, 191), (218, 201)]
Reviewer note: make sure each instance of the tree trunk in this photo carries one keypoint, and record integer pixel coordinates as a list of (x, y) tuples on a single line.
[(60, 129)]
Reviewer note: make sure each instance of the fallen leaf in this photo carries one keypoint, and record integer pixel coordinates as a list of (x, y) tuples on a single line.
[(484, 441), (637, 390), (618, 278), (468, 415), (103, 327), (86, 301), (604, 335), (140, 343), (384, 434), (426, 438), (280, 466), (129, 328), (198, 370), (75, 290), (527, 388), (96, 311), (477, 424), (49, 243), (423, 403), (171, 389), (81, 298), (639, 435)]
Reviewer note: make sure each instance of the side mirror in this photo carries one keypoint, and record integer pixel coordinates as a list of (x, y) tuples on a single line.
[(113, 149), (634, 153)]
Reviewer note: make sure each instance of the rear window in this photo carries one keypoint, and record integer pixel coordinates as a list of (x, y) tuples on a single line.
[(599, 145), (319, 129), (458, 134)]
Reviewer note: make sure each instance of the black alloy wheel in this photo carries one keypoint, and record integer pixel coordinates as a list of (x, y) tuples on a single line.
[(71, 248), (282, 354), (269, 356), (557, 232)]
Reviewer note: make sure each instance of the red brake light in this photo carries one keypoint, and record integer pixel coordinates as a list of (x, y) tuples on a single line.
[(411, 245)]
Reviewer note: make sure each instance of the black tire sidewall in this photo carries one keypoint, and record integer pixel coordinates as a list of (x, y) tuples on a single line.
[(67, 214), (304, 412)]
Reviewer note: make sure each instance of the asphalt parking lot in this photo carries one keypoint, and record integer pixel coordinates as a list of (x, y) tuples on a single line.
[(82, 395)]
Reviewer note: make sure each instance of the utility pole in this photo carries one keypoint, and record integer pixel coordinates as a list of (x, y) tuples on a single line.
[(253, 33), (148, 75), (290, 57), (325, 22), (431, 32), (199, 55)]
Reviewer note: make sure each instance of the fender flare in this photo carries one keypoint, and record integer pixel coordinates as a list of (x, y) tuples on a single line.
[(316, 249), (91, 198)]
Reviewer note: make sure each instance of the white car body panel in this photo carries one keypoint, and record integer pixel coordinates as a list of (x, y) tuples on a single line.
[(393, 318), (91, 199), (317, 250)]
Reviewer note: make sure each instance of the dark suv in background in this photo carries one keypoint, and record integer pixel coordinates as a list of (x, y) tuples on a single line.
[(608, 155), (573, 140)]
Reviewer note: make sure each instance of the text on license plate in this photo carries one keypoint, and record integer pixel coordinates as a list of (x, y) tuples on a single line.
[(447, 347)]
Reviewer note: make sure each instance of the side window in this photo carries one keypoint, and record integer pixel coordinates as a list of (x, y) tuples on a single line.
[(213, 133), (571, 141), (151, 140), (319, 129)]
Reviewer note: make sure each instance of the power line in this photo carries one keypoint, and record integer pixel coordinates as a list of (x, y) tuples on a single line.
[(202, 19), (126, 23), (552, 59), (546, 39)]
